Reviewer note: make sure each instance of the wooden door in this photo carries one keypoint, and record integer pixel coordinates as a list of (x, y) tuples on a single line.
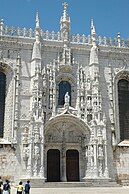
[(72, 165), (53, 165)]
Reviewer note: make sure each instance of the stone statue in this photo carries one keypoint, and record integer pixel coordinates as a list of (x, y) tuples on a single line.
[(25, 153), (67, 98)]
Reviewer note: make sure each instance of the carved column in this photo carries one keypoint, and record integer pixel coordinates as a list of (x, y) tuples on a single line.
[(16, 99), (63, 159), (106, 173), (95, 159), (54, 89), (25, 145), (78, 93), (41, 172), (30, 147), (36, 149), (111, 110)]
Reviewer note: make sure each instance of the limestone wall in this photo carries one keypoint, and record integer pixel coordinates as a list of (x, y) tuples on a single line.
[(10, 164), (121, 163)]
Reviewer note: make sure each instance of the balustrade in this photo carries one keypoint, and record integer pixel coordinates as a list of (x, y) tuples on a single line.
[(77, 39)]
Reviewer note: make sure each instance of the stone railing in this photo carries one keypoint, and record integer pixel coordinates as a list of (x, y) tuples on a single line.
[(29, 33), (81, 39), (18, 32), (116, 42)]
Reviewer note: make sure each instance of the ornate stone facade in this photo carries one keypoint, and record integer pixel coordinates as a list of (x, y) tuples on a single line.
[(62, 96)]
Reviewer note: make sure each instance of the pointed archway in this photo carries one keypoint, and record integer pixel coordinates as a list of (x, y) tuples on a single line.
[(68, 134)]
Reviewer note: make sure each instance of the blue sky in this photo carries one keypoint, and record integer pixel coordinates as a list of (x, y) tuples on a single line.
[(110, 16)]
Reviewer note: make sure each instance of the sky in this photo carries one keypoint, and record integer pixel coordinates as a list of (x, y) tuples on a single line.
[(110, 16)]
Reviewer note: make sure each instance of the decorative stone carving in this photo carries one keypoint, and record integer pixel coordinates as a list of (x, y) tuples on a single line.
[(25, 153), (25, 135), (36, 152)]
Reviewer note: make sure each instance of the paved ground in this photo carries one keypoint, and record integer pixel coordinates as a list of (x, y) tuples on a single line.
[(78, 190)]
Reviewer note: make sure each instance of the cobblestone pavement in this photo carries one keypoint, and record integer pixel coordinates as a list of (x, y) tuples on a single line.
[(78, 190)]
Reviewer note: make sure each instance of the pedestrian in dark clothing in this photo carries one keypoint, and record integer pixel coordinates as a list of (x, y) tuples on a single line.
[(1, 186), (6, 187), (27, 187)]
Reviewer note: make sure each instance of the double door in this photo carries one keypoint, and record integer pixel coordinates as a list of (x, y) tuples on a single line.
[(53, 165)]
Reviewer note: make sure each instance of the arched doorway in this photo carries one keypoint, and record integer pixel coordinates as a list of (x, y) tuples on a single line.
[(68, 134), (72, 165), (53, 165)]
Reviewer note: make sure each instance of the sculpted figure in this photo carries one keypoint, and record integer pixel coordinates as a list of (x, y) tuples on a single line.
[(67, 98)]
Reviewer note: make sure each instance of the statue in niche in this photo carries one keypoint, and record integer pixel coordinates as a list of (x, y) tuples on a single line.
[(36, 152), (25, 153), (36, 157), (86, 152), (100, 151), (67, 100), (67, 97)]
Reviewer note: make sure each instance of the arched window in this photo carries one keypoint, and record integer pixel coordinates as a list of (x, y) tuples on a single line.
[(2, 101), (64, 87), (123, 99)]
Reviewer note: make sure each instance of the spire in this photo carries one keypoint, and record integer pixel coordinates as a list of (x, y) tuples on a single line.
[(93, 33), (36, 53), (92, 27), (94, 49), (37, 29), (37, 21), (65, 25), (65, 11)]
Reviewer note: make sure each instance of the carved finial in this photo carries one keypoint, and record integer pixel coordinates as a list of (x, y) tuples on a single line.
[(65, 11), (118, 39), (37, 20), (2, 21), (92, 24), (92, 27), (1, 26), (65, 26), (93, 33), (37, 29)]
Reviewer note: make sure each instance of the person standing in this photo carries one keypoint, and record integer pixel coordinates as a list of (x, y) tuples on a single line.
[(1, 185), (6, 187), (27, 187), (20, 188)]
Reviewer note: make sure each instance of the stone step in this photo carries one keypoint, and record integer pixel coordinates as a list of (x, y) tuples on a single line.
[(98, 183), (40, 183), (79, 184)]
